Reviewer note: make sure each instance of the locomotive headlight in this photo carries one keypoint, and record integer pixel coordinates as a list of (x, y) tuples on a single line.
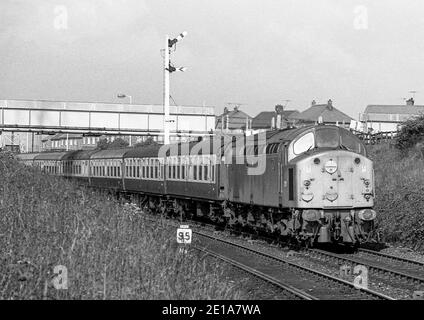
[(367, 214), (331, 196), (311, 215), (307, 197), (307, 183), (366, 182), (330, 166)]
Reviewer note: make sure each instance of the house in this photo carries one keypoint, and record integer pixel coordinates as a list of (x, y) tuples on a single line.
[(64, 141), (386, 118), (268, 120), (322, 113), (234, 121)]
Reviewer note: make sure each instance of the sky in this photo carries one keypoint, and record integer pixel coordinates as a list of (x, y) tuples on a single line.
[(258, 53)]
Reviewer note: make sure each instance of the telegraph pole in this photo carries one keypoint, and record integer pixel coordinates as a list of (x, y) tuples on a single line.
[(168, 68), (166, 91)]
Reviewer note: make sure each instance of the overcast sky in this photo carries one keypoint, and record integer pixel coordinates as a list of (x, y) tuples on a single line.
[(256, 52)]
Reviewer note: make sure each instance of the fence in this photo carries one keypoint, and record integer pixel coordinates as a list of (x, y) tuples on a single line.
[(374, 138)]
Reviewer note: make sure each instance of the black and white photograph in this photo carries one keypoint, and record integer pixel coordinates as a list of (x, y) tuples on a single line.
[(216, 158)]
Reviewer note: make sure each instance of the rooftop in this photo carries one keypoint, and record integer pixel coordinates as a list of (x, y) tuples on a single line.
[(264, 119), (328, 112), (394, 109)]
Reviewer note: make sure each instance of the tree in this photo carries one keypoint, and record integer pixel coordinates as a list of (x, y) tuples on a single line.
[(411, 132), (118, 143), (102, 144), (149, 142)]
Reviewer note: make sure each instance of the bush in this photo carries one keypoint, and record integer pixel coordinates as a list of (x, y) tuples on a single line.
[(118, 143), (399, 193), (411, 132), (148, 142), (109, 250)]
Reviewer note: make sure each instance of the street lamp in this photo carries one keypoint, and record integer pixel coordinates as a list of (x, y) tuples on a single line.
[(168, 68), (122, 96)]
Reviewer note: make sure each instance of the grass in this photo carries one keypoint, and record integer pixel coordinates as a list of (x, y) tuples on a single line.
[(108, 249), (399, 179)]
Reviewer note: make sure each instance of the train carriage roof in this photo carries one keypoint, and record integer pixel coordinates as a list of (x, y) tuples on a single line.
[(80, 155), (151, 151), (110, 154), (26, 156), (205, 146), (51, 156)]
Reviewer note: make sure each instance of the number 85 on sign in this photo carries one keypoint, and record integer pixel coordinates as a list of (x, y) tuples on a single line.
[(184, 234)]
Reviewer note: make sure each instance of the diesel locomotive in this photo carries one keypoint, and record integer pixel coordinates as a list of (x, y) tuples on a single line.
[(314, 184)]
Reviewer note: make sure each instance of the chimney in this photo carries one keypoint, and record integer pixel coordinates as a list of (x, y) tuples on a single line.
[(330, 105), (313, 103), (278, 124), (236, 108), (410, 102), (225, 110), (279, 109)]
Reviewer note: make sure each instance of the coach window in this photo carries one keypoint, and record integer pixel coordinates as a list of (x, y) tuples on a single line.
[(200, 162), (205, 169), (183, 168), (118, 169), (169, 168), (143, 169), (135, 168), (213, 172), (195, 168), (157, 168), (179, 168), (138, 167), (151, 168), (174, 168)]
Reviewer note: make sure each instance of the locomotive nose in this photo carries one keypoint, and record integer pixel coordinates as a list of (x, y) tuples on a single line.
[(335, 179)]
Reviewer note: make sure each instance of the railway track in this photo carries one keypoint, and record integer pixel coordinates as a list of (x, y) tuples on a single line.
[(397, 271), (288, 291), (318, 284), (394, 269), (293, 279), (392, 258)]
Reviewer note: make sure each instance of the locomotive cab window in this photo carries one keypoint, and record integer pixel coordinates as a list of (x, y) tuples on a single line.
[(352, 143), (304, 143), (327, 137)]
